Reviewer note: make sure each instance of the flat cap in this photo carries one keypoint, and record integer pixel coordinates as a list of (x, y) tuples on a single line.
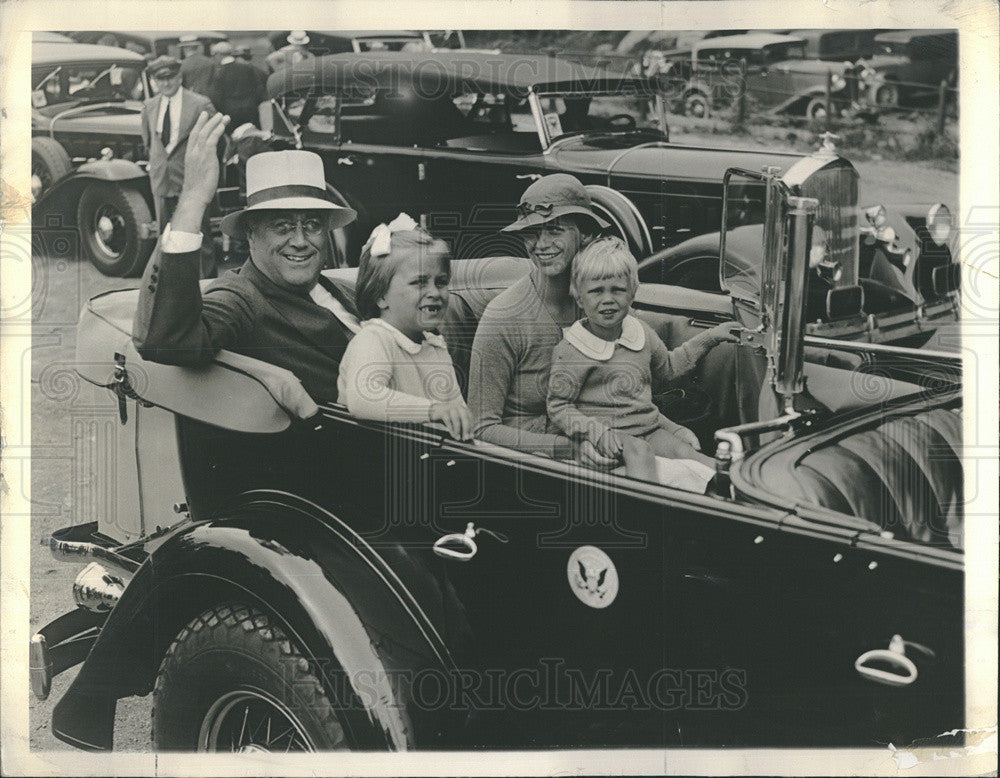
[(164, 66)]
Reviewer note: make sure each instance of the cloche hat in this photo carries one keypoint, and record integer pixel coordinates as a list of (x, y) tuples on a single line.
[(550, 197), (287, 180)]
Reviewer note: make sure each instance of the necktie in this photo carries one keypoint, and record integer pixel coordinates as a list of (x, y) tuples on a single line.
[(165, 134)]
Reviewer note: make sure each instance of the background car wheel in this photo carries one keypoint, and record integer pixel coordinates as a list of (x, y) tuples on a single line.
[(696, 105), (110, 219), (49, 163), (232, 681), (887, 95), (816, 109)]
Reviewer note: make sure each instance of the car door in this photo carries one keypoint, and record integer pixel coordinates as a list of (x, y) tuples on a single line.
[(720, 623), (375, 163)]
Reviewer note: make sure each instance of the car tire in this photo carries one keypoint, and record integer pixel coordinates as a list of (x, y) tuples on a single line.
[(887, 95), (233, 681), (49, 163), (110, 219), (697, 106), (816, 109)]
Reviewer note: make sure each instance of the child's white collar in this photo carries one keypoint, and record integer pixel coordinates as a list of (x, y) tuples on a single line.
[(587, 343), (430, 338)]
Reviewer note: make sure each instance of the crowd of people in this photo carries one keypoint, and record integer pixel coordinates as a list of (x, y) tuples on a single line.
[(559, 365)]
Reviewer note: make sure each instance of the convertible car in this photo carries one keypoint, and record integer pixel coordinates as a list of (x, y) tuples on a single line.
[(283, 577)]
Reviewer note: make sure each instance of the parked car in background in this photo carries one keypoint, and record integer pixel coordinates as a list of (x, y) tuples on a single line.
[(453, 139), (908, 67), (837, 45), (323, 42), (472, 596), (86, 149), (150, 44), (779, 76)]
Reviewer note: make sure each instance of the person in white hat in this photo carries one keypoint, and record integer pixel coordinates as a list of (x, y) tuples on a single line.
[(278, 307), (292, 54)]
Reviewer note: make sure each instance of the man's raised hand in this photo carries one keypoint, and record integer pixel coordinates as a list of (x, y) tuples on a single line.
[(201, 162), (201, 173)]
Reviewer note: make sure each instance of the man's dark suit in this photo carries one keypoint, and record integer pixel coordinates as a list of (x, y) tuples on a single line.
[(238, 90), (243, 312), (166, 171), (197, 73)]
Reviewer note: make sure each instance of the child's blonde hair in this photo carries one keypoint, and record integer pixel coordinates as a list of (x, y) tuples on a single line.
[(376, 272), (607, 257)]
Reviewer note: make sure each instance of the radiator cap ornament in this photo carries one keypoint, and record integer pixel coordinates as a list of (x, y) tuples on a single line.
[(592, 577)]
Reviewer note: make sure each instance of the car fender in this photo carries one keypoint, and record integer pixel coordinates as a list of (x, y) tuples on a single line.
[(744, 248), (329, 591), (66, 192)]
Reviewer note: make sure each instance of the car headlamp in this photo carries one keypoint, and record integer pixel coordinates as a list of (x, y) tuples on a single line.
[(819, 260), (877, 216), (939, 223), (838, 83)]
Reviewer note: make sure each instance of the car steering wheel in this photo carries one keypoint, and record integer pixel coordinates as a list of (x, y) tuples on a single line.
[(622, 121)]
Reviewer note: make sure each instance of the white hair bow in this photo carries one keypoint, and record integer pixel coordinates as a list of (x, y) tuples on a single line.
[(380, 240)]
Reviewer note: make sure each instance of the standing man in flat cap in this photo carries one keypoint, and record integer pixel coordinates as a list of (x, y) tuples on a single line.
[(167, 121), (278, 307)]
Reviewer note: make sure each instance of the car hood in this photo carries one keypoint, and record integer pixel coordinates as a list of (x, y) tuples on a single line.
[(670, 161), (125, 120)]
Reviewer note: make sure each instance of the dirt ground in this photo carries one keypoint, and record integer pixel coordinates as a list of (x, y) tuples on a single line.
[(61, 286)]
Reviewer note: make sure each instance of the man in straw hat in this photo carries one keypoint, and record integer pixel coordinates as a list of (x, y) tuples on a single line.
[(278, 307), (292, 54), (166, 122)]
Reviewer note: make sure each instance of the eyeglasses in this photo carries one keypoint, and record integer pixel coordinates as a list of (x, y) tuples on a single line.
[(284, 227), (542, 209)]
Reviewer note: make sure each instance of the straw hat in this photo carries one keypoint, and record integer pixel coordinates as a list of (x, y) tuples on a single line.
[(288, 181)]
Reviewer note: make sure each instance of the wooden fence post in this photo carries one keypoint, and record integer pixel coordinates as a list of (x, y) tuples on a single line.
[(829, 99), (741, 101), (942, 101)]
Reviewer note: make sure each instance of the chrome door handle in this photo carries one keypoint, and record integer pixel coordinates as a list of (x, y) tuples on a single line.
[(528, 176), (345, 160), (897, 669)]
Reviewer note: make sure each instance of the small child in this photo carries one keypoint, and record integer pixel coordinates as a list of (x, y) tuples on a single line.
[(397, 368), (608, 365)]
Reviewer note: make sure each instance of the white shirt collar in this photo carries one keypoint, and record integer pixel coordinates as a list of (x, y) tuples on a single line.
[(321, 296), (633, 337), (430, 338)]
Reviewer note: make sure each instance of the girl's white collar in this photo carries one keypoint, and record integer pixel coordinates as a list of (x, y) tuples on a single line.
[(633, 337), (430, 338)]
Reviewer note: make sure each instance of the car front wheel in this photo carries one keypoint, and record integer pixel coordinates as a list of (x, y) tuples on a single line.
[(110, 218), (232, 681)]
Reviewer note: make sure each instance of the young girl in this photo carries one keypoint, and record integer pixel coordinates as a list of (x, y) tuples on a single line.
[(397, 368), (608, 365)]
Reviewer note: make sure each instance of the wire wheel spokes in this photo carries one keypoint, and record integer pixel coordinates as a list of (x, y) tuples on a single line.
[(252, 721)]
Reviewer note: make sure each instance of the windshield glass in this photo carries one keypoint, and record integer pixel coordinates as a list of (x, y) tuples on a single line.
[(87, 83), (598, 113)]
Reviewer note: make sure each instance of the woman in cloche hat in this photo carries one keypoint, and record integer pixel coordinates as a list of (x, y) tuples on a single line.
[(512, 352)]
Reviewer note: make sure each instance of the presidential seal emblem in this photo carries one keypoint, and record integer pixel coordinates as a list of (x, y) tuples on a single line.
[(592, 577)]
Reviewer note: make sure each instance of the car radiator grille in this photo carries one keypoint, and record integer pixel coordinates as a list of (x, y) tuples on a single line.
[(836, 188)]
